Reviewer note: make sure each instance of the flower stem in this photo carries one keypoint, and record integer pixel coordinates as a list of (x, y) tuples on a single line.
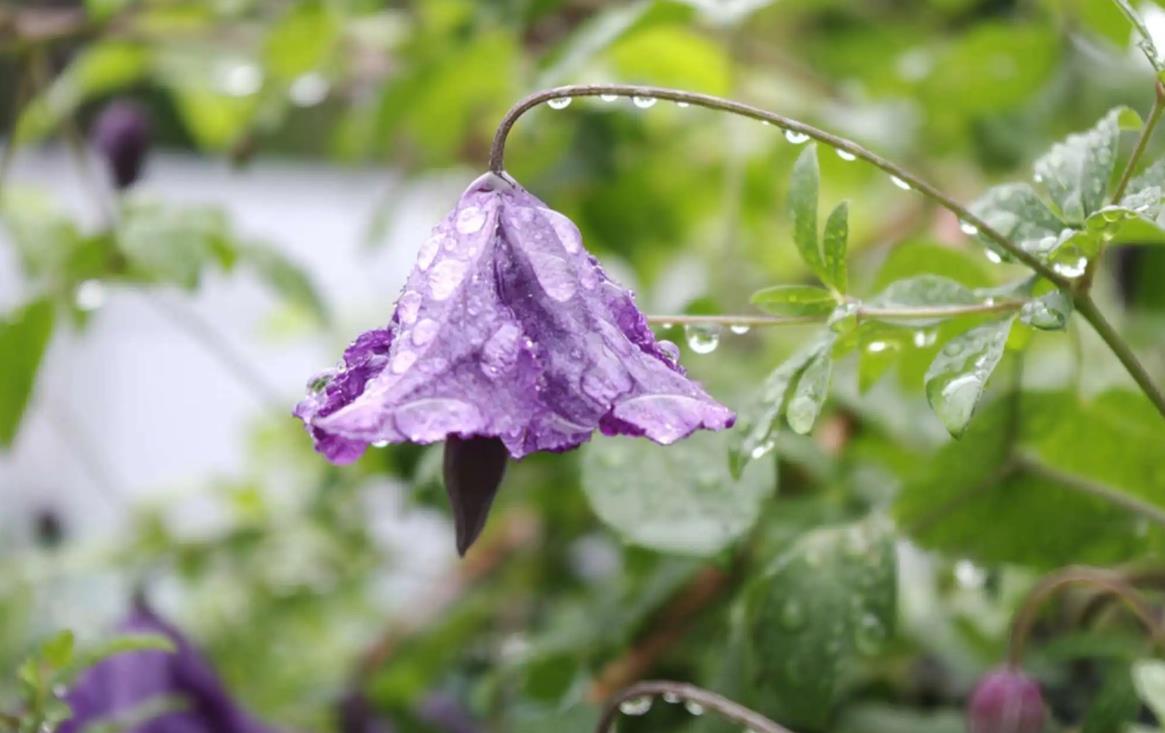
[(1142, 143), (734, 711), (1106, 580), (497, 150), (1087, 308), (870, 312), (1140, 507)]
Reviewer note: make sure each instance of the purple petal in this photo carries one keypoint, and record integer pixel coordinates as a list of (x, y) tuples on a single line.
[(507, 328)]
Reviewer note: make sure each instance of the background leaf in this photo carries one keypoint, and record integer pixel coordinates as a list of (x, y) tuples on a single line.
[(24, 335)]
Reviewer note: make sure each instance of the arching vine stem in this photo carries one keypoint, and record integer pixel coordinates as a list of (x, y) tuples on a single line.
[(1084, 304), (498, 150), (734, 711), (1105, 580), (862, 312)]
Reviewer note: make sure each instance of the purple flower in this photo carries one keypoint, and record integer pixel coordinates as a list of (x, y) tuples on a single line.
[(1006, 701), (507, 332), (127, 684), (122, 134)]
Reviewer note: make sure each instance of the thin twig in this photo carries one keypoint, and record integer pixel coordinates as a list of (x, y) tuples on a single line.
[(1142, 143), (1140, 507), (497, 150), (734, 711), (1106, 580), (1087, 308), (862, 312)]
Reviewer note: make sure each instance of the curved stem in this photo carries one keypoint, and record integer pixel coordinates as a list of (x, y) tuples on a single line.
[(871, 312), (1097, 577), (1086, 307), (497, 150), (729, 709), (1142, 143)]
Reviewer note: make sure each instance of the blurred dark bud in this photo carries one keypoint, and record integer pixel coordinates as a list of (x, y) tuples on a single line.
[(443, 712), (49, 528), (354, 714), (1006, 701), (172, 691), (243, 151), (122, 135)]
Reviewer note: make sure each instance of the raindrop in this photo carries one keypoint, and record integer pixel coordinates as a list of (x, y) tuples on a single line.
[(953, 348), (968, 228), (1071, 269), (445, 277), (759, 451), (240, 80), (846, 155), (407, 306), (635, 706), (702, 338), (308, 90), (870, 634), (796, 137), (644, 102), (428, 251), (667, 325), (740, 328), (424, 331), (608, 97), (403, 360), (319, 382), (900, 183), (470, 220), (558, 103), (969, 575), (379, 443), (683, 105), (993, 256), (670, 350), (90, 295), (875, 347), (792, 615), (693, 707), (924, 338), (671, 698)]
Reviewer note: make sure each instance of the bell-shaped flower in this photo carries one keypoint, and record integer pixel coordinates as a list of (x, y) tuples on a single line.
[(510, 338), (155, 691)]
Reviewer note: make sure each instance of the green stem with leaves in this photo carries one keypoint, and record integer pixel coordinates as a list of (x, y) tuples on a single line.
[(1142, 142)]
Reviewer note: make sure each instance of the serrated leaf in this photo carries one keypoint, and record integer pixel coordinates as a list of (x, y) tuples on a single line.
[(810, 392), (795, 300), (684, 502), (1049, 312), (836, 242), (1076, 172), (285, 277), (753, 436), (803, 186), (826, 601), (1149, 679), (958, 375), (1015, 211), (24, 336)]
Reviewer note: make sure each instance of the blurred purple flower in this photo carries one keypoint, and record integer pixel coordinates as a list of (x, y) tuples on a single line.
[(508, 331), (122, 134), (1006, 701), (122, 684)]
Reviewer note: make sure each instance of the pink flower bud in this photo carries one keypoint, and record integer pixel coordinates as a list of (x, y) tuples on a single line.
[(1006, 701)]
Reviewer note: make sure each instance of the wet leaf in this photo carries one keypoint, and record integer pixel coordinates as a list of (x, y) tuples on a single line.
[(795, 300), (803, 208), (810, 393), (1015, 211), (836, 237), (957, 377), (1049, 312)]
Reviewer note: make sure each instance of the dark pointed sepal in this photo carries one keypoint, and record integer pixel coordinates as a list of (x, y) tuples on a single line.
[(473, 472)]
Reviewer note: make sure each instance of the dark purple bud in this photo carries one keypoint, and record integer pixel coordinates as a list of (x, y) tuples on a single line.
[(127, 684), (354, 714), (443, 712), (122, 134), (1006, 701), (473, 473)]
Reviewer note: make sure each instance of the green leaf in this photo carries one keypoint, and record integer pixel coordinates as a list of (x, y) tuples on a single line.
[(678, 501), (1049, 312), (836, 238), (958, 375), (1015, 211), (1076, 172), (44, 237), (174, 245), (285, 277), (810, 393), (672, 55), (1149, 679), (1115, 704), (795, 300), (1146, 44), (753, 436), (24, 335), (301, 41), (58, 651), (803, 208), (827, 601), (923, 291)]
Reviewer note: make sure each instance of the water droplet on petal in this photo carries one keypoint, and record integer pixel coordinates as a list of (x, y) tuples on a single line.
[(740, 328), (424, 331), (428, 250), (993, 256), (796, 137), (500, 351), (643, 102), (702, 338), (445, 277), (403, 360), (968, 228), (670, 350), (693, 707), (635, 706), (470, 220), (846, 155), (407, 307), (900, 183), (558, 103)]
